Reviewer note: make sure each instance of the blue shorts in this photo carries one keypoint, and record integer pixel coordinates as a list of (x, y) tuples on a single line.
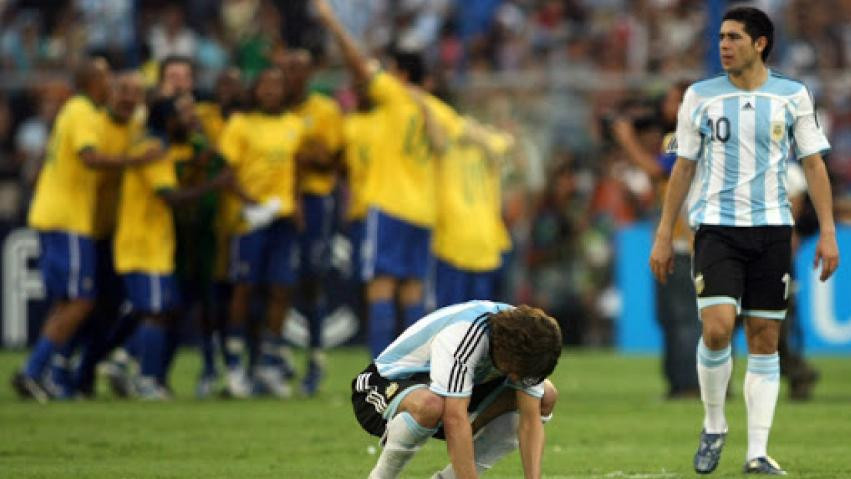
[(151, 293), (394, 247), (69, 264), (453, 285), (355, 231), (265, 256), (314, 242)]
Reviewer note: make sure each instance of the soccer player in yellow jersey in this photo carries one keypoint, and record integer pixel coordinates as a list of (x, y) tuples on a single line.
[(323, 123), (465, 243), (402, 198), (145, 240), (63, 211), (362, 139), (213, 114), (261, 147), (121, 125)]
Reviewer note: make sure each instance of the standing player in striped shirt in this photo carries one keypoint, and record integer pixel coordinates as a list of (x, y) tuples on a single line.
[(477, 367), (737, 130)]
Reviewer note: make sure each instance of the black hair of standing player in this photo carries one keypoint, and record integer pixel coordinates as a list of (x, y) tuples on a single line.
[(757, 24)]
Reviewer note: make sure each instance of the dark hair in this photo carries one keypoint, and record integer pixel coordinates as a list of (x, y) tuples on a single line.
[(174, 60), (525, 341), (87, 70), (756, 23), (159, 113), (412, 64)]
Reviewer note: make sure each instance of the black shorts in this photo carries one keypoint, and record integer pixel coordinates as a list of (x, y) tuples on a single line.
[(372, 393), (746, 264)]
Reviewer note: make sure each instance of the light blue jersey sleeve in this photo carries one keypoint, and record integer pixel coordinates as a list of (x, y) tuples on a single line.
[(688, 138)]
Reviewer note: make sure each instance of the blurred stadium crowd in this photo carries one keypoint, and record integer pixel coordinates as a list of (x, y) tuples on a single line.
[(552, 75)]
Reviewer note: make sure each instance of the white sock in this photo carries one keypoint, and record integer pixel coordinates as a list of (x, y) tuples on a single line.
[(404, 437), (713, 374), (762, 385), (493, 442)]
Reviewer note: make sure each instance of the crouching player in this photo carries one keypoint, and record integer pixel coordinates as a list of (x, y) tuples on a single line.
[(471, 368)]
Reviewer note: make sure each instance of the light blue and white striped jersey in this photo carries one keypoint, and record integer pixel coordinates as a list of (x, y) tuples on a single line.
[(741, 140), (452, 344)]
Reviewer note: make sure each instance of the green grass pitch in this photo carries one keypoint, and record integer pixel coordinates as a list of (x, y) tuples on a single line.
[(611, 422)]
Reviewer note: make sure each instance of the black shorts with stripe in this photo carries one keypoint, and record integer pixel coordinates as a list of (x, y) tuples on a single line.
[(372, 393), (750, 264)]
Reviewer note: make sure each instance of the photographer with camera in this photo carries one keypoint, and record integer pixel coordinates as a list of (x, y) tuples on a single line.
[(675, 307)]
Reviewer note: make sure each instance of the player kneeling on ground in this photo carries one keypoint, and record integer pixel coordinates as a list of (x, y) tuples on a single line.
[(471, 368)]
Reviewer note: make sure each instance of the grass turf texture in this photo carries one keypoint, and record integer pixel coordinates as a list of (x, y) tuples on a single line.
[(611, 422)]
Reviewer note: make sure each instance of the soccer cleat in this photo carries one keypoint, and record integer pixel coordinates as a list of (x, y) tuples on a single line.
[(119, 379), (206, 386), (764, 465), (310, 383), (237, 384), (147, 389), (271, 380), (708, 452), (29, 388)]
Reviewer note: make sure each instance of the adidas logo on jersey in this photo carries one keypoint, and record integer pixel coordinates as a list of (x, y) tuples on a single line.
[(747, 106)]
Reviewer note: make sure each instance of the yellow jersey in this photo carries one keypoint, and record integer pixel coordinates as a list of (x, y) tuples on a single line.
[(464, 233), (66, 191), (211, 118), (323, 123), (498, 145), (404, 179), (363, 134), (145, 237), (115, 140), (262, 149)]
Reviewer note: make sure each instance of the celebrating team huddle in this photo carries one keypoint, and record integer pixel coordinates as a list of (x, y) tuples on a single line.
[(154, 207)]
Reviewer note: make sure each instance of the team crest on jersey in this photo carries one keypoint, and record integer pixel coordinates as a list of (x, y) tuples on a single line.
[(777, 131), (391, 390), (698, 283), (670, 143)]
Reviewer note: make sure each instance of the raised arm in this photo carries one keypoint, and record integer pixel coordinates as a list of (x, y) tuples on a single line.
[(355, 60)]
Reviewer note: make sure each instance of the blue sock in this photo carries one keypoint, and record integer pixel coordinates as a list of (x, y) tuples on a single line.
[(315, 315), (208, 354), (270, 349), (234, 345), (40, 355), (153, 338), (172, 341), (60, 367), (413, 313), (135, 344), (382, 326)]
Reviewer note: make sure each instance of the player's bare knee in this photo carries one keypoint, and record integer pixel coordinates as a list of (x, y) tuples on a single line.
[(548, 401), (425, 406), (717, 332), (381, 288)]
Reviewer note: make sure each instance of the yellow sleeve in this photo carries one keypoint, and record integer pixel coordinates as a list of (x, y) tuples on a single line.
[(448, 119), (160, 175), (231, 143), (333, 124), (85, 123), (498, 143), (385, 88)]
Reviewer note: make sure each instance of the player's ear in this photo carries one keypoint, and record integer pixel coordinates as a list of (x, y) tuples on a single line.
[(760, 44)]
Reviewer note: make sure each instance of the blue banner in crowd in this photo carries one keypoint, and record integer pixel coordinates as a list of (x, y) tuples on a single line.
[(824, 309)]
